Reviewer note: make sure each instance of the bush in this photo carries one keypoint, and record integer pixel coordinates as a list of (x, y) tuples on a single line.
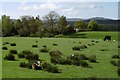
[(36, 41), (26, 52), (55, 60), (77, 57), (83, 46), (104, 50), (92, 41), (77, 63), (118, 71), (13, 44), (80, 42), (96, 41), (13, 51), (84, 63), (89, 44), (21, 55), (44, 46), (118, 46), (116, 56), (115, 62), (92, 44), (44, 50), (10, 57), (34, 45), (50, 68), (25, 65), (92, 58), (55, 44), (7, 43), (32, 57), (76, 48), (4, 48), (55, 53)]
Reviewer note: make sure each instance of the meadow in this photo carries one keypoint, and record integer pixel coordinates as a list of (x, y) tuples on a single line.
[(102, 69)]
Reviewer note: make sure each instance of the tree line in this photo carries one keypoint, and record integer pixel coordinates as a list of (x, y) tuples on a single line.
[(52, 24)]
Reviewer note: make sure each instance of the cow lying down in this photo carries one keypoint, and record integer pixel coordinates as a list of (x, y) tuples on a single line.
[(37, 65), (107, 38)]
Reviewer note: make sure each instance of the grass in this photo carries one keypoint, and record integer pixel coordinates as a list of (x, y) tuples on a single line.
[(93, 35), (102, 69)]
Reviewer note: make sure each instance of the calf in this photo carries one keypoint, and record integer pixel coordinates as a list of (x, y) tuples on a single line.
[(107, 38)]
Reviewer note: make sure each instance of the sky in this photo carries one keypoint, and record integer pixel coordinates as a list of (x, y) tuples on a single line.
[(78, 9)]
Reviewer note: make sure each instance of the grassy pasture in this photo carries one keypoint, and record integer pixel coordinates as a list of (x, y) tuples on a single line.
[(102, 69), (93, 35)]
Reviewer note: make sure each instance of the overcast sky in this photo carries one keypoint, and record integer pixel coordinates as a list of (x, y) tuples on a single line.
[(68, 9)]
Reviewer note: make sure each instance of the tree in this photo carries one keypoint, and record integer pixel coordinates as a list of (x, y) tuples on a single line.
[(6, 25), (93, 25), (80, 24), (51, 19), (62, 23), (17, 26), (0, 28)]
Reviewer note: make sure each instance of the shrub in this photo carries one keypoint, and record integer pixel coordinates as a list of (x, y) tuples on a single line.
[(10, 57), (118, 71), (55, 60), (21, 55), (116, 56), (76, 48), (55, 44), (34, 45), (84, 63), (80, 42), (26, 52), (104, 50), (13, 44), (36, 41), (115, 62), (83, 46), (44, 50), (4, 48), (55, 53), (77, 57), (7, 43), (77, 63), (44, 46), (13, 51), (92, 41), (32, 57), (92, 58), (25, 65), (50, 68), (118, 46), (92, 44), (96, 41), (89, 44)]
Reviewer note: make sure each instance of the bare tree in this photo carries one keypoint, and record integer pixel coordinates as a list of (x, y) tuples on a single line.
[(51, 19)]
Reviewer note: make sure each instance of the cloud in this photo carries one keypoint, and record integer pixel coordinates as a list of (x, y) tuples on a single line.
[(63, 8), (45, 6)]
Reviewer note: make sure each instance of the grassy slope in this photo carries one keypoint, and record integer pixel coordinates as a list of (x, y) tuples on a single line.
[(102, 69), (93, 35)]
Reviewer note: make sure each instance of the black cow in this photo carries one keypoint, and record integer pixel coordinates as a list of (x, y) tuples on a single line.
[(107, 38)]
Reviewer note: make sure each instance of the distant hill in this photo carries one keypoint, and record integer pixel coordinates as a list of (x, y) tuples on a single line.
[(100, 20)]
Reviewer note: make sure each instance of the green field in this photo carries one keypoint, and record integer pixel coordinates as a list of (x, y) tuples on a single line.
[(102, 69)]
